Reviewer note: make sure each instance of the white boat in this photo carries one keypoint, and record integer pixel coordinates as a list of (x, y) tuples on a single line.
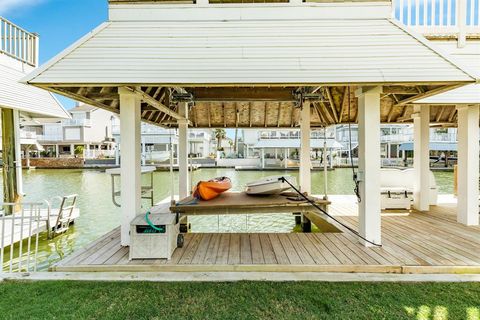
[(270, 185)]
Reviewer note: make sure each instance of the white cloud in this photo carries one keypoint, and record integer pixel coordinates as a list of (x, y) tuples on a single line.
[(8, 5)]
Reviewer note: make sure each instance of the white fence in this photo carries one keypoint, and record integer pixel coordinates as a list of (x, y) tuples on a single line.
[(439, 17), (19, 237), (18, 43)]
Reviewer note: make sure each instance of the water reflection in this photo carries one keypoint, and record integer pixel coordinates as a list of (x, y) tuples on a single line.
[(99, 215)]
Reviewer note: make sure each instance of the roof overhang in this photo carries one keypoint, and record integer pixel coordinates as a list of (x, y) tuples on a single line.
[(248, 64)]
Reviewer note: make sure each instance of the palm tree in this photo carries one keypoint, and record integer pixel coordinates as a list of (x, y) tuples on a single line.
[(220, 134)]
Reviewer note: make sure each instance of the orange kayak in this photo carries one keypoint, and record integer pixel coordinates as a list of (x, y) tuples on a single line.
[(208, 190)]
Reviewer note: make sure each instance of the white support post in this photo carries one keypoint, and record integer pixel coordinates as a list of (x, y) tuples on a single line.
[(305, 161), (183, 151), (130, 171), (369, 164), (57, 151), (461, 7), (468, 155), (421, 157), (18, 152), (144, 154), (286, 158), (117, 155), (262, 158), (72, 150)]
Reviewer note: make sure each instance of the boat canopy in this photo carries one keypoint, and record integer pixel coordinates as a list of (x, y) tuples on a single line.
[(249, 65)]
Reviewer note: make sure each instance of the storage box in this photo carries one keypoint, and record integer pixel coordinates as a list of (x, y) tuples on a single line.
[(148, 243)]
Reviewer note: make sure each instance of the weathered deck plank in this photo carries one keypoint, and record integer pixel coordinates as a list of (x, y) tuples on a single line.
[(418, 243)]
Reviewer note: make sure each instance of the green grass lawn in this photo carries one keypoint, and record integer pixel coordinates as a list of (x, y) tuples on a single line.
[(241, 300)]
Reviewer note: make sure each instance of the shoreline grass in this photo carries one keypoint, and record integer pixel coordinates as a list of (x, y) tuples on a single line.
[(238, 300)]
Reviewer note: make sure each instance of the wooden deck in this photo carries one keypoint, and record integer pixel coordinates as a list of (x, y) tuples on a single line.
[(418, 243)]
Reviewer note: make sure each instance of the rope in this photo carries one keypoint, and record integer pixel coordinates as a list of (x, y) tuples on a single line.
[(356, 189), (355, 232)]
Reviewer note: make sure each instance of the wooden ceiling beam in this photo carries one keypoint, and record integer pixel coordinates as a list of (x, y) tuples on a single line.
[(242, 94), (332, 104), (400, 90), (427, 94), (440, 114), (155, 103)]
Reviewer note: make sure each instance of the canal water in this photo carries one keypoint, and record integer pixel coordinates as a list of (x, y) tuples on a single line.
[(99, 215)]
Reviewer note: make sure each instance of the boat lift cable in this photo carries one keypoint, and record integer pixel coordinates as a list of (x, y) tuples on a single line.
[(355, 232), (356, 189)]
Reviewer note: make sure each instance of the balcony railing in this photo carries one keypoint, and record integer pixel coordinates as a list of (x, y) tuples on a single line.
[(77, 122), (18, 43), (439, 17)]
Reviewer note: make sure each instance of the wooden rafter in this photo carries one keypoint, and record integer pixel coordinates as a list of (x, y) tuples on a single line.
[(332, 104), (440, 114), (427, 94), (342, 108), (452, 114), (155, 103), (250, 114), (278, 115), (265, 116), (84, 99), (224, 115)]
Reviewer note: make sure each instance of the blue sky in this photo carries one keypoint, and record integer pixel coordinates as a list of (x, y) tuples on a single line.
[(58, 22)]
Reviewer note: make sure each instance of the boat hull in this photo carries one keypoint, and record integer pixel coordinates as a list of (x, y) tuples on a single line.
[(269, 186), (208, 190)]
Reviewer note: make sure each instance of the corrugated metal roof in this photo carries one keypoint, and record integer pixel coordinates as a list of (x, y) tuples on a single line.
[(295, 143), (303, 51), (34, 101)]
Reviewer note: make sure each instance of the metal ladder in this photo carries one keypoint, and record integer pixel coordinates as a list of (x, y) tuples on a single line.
[(64, 218)]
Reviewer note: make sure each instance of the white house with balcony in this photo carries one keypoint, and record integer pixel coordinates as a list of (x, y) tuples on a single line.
[(280, 148), (19, 55), (87, 134), (156, 142)]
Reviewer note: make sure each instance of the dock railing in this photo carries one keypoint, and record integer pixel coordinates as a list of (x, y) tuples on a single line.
[(440, 18), (18, 43), (19, 238)]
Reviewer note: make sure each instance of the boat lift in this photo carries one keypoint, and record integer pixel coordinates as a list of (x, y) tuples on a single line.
[(147, 190)]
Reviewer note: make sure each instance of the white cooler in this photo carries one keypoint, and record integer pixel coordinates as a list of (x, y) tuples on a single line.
[(148, 243)]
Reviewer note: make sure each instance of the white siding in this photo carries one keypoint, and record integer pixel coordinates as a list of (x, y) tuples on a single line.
[(73, 134), (468, 56), (14, 95), (285, 51)]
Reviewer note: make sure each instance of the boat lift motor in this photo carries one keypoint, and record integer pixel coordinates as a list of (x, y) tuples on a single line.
[(154, 239)]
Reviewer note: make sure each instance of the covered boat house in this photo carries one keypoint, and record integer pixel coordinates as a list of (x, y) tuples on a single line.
[(273, 65)]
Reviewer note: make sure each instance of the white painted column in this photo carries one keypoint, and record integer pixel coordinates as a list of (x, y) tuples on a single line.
[(287, 151), (262, 158), (421, 157), (369, 164), (468, 157), (130, 172), (57, 151), (183, 151), (144, 153), (72, 150), (18, 152), (305, 161), (117, 155)]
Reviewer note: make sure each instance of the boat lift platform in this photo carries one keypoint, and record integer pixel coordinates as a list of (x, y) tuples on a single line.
[(241, 203)]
